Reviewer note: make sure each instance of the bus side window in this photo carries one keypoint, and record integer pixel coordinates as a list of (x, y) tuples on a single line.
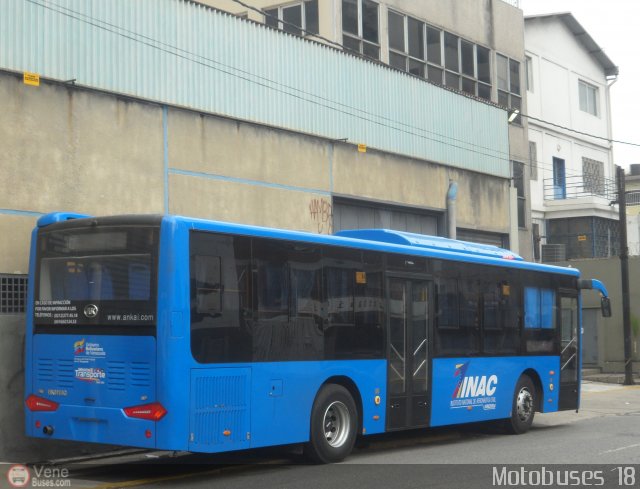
[(208, 284), (500, 318), (539, 320), (220, 298)]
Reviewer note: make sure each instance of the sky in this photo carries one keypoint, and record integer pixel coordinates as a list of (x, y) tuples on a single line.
[(615, 27)]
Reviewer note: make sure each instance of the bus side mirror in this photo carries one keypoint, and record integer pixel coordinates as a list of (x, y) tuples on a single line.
[(605, 307)]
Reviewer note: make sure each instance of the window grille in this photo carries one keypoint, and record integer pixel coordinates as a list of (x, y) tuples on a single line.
[(13, 293)]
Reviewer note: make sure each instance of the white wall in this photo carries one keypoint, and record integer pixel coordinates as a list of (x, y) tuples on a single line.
[(559, 61)]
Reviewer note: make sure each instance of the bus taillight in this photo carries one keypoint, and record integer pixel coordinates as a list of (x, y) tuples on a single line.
[(152, 412), (35, 403)]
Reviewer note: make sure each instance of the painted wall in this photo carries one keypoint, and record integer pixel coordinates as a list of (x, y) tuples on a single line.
[(610, 335), (554, 97)]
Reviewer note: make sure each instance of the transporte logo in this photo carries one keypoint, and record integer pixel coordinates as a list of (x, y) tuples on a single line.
[(95, 375), (473, 391), (78, 347)]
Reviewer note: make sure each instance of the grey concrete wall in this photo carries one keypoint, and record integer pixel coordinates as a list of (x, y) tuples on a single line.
[(15, 446), (70, 149), (610, 330)]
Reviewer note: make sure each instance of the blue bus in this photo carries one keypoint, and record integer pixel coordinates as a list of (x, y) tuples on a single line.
[(174, 333)]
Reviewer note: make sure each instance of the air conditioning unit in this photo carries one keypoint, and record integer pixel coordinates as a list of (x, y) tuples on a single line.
[(552, 253)]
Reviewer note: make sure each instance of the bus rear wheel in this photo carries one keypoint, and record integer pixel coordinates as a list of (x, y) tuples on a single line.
[(523, 407), (334, 422)]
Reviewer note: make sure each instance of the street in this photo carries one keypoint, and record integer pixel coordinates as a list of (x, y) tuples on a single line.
[(601, 443)]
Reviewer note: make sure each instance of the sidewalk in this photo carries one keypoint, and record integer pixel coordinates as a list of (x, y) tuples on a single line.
[(607, 378)]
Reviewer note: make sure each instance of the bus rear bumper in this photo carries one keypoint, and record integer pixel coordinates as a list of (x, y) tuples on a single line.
[(95, 425)]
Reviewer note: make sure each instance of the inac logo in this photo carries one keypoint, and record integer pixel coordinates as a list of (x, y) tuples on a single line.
[(78, 347), (472, 391)]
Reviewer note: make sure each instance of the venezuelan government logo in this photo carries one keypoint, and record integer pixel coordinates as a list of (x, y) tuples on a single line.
[(473, 390), (78, 347)]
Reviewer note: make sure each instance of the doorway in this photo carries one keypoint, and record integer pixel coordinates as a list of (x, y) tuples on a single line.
[(408, 352)]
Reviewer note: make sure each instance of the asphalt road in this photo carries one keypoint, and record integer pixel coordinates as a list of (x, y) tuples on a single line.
[(600, 444)]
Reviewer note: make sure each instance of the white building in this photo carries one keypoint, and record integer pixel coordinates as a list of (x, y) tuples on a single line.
[(568, 80)]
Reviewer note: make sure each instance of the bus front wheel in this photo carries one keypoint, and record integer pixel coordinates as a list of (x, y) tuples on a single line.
[(334, 422), (523, 407)]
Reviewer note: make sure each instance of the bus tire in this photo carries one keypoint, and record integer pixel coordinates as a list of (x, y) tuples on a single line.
[(334, 422), (523, 407)]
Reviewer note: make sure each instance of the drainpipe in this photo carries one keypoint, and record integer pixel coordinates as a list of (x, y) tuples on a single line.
[(452, 195)]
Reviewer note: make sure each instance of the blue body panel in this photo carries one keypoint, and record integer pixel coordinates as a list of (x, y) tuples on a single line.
[(93, 377), (467, 390), (214, 408)]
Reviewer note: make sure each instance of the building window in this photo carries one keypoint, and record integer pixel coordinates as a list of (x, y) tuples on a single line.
[(360, 27), (420, 49), (297, 18), (13, 293), (593, 176), (509, 84), (406, 44), (533, 160), (588, 98), (518, 183), (528, 66)]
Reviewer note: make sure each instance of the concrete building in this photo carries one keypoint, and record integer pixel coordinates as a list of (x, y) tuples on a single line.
[(198, 112), (568, 80), (475, 47)]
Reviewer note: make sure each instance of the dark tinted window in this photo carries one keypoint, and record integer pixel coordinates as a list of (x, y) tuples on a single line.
[(220, 298), (501, 317), (355, 304), (288, 322), (311, 16), (110, 268)]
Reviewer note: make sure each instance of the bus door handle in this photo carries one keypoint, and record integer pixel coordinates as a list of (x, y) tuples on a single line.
[(395, 405)]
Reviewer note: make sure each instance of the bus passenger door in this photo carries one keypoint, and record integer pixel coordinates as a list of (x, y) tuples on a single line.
[(408, 360), (570, 351)]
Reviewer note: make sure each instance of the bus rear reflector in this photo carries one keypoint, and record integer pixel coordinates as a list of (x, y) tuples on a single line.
[(152, 412), (35, 403)]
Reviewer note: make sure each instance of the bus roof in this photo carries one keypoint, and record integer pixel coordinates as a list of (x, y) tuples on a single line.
[(385, 240), (392, 241)]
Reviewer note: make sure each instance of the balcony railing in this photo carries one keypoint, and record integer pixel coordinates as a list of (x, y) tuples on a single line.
[(580, 186), (633, 197)]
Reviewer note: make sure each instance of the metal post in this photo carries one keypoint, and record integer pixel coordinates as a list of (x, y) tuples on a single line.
[(624, 272), (452, 195)]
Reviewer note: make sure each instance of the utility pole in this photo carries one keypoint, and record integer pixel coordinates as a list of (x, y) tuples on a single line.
[(624, 272)]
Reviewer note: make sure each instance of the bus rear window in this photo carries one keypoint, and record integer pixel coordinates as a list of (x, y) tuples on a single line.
[(96, 276)]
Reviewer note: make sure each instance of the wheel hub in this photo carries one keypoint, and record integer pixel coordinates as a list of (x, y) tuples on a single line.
[(337, 424), (524, 404)]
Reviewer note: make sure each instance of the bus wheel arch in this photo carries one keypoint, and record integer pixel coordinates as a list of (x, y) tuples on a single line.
[(537, 383), (334, 421)]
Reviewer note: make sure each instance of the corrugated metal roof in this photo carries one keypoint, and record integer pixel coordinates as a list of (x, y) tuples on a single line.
[(186, 54)]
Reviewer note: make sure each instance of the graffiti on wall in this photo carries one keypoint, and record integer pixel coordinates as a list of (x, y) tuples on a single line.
[(321, 214)]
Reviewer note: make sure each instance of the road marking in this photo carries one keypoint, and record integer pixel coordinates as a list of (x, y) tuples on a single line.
[(620, 449)]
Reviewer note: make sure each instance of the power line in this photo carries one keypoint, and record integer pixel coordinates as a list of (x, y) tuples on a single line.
[(245, 75), (579, 132)]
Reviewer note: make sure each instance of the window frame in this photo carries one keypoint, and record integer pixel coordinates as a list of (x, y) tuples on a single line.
[(440, 64), (511, 94), (359, 36), (589, 89), (520, 186), (303, 29)]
